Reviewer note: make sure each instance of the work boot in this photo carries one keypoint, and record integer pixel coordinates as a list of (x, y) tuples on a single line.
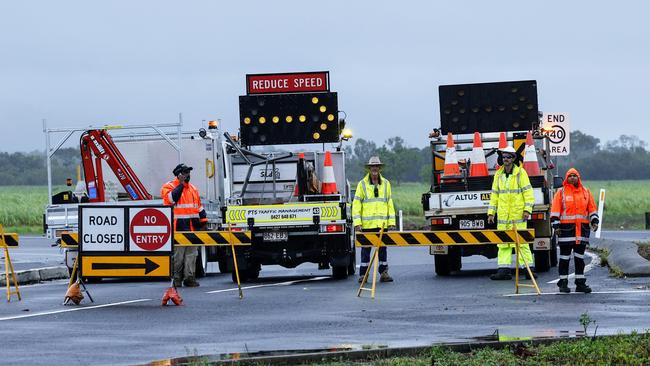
[(360, 279), (385, 277), (178, 283), (528, 275), (564, 286), (581, 286), (501, 275), (190, 282)]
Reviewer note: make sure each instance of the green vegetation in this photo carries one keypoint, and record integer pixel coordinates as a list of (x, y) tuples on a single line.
[(626, 203), (633, 349), (644, 250)]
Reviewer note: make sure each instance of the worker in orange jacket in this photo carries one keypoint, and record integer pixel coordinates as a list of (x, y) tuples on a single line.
[(189, 215), (572, 213)]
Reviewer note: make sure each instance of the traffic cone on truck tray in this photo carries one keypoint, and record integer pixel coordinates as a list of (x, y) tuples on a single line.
[(531, 164), (329, 182), (451, 159), (503, 143), (478, 167)]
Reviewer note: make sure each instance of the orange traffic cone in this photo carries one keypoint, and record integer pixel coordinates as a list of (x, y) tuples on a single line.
[(329, 182), (531, 164), (503, 143), (451, 160), (478, 168), (300, 170)]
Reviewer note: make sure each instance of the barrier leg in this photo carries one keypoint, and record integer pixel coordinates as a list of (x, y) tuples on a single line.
[(530, 272), (234, 259), (10, 274), (372, 266)]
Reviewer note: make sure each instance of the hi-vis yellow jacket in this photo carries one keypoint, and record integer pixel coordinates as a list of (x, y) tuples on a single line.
[(373, 211), (510, 197)]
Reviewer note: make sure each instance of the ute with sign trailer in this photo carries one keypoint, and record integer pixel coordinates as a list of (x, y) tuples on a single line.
[(279, 193), (461, 202)]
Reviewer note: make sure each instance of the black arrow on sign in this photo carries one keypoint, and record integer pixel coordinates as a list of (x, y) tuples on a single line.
[(148, 265)]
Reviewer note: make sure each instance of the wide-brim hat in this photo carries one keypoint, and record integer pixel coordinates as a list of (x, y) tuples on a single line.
[(374, 161)]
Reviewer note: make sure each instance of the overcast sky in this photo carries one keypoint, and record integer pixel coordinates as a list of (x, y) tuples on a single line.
[(77, 63)]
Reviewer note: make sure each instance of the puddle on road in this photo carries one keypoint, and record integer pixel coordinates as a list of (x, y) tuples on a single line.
[(503, 337)]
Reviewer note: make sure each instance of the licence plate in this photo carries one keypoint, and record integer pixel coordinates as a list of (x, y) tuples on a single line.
[(275, 236), (472, 224)]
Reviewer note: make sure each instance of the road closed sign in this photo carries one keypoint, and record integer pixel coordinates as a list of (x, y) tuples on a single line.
[(150, 229), (125, 241), (556, 127), (102, 229)]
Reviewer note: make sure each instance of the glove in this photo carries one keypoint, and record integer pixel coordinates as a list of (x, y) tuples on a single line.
[(555, 224)]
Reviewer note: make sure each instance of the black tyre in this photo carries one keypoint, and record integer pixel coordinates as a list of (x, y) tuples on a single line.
[(442, 264), (340, 272), (201, 264), (223, 265), (242, 276), (253, 272), (542, 260)]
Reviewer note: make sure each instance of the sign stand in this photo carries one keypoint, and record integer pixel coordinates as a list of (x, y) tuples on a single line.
[(9, 269), (76, 287), (532, 277), (372, 266)]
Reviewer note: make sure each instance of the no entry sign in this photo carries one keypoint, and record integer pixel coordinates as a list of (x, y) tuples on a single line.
[(150, 230)]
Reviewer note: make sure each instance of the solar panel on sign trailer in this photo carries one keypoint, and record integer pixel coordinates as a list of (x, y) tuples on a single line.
[(288, 118)]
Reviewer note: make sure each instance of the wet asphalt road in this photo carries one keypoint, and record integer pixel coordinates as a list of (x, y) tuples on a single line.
[(303, 308)]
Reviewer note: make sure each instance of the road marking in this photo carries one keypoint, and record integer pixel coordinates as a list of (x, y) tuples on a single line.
[(595, 261), (74, 309), (580, 293), (287, 283)]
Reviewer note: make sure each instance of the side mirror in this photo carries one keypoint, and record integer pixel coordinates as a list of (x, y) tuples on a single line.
[(557, 182)]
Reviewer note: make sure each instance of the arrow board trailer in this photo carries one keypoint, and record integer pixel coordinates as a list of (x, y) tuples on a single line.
[(125, 241)]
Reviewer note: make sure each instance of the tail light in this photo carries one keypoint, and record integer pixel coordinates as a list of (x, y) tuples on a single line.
[(334, 228), (441, 221), (236, 229), (538, 216)]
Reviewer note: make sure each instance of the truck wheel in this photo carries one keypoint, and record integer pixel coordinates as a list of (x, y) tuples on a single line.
[(352, 267), (201, 268), (223, 265), (441, 262), (242, 276), (542, 260), (340, 272)]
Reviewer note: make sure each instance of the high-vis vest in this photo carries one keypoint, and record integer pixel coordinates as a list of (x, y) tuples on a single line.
[(188, 211), (575, 208), (373, 211), (510, 197)]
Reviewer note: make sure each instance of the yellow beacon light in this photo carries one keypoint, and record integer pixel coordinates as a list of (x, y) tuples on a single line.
[(289, 119), (247, 120), (262, 120), (302, 118), (314, 100), (276, 119), (316, 135), (330, 117)]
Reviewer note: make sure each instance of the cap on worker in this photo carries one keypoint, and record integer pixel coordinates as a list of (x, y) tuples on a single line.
[(509, 150), (374, 161), (180, 168)]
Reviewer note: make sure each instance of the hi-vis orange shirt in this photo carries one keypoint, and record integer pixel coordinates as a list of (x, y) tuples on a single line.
[(189, 214), (575, 208)]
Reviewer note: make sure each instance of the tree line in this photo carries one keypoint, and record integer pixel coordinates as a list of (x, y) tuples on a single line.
[(624, 158)]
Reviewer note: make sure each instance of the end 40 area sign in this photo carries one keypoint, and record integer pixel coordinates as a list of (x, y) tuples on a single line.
[(125, 241), (557, 128)]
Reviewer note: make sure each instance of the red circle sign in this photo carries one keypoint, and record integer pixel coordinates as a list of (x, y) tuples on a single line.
[(150, 229)]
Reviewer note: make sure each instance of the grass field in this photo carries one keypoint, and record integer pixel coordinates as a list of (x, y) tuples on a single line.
[(21, 208)]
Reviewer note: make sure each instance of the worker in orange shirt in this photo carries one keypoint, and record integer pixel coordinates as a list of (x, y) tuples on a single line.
[(572, 213), (189, 215)]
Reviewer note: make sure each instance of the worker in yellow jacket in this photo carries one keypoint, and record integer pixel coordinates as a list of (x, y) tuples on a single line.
[(372, 210), (511, 200)]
